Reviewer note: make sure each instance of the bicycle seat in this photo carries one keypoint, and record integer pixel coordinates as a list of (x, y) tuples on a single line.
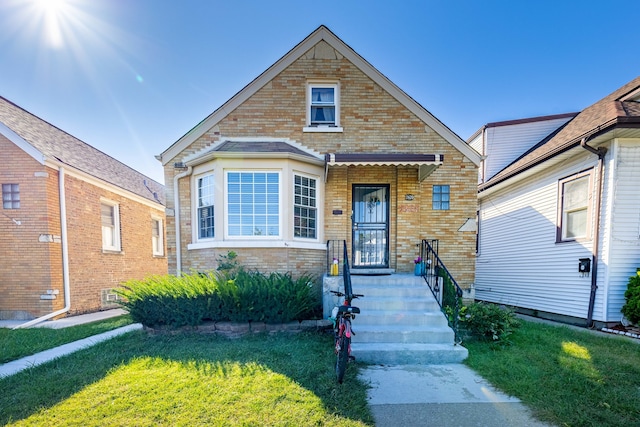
[(348, 309)]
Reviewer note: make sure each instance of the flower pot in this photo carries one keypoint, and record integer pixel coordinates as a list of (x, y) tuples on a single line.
[(419, 269)]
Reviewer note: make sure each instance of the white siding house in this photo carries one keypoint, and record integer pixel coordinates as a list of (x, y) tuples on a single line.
[(559, 226), (500, 143)]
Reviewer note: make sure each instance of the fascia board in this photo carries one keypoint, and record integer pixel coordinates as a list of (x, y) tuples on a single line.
[(21, 143), (90, 179)]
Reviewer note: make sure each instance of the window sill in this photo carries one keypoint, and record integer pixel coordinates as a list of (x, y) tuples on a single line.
[(257, 244), (112, 252), (326, 129)]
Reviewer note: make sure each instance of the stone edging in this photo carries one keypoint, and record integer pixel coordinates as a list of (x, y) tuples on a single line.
[(234, 330)]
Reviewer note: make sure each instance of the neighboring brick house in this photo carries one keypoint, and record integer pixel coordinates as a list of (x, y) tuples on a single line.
[(107, 228), (321, 146)]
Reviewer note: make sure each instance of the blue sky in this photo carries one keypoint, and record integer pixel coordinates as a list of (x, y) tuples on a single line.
[(130, 77)]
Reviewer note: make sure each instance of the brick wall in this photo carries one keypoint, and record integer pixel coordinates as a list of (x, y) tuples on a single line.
[(31, 252), (373, 121)]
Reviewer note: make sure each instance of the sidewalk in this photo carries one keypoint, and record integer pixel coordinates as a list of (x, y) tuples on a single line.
[(16, 366), (440, 395)]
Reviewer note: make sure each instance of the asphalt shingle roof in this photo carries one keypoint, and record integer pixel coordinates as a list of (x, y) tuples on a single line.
[(54, 143)]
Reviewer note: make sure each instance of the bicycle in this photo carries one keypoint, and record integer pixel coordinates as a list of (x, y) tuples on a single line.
[(343, 314)]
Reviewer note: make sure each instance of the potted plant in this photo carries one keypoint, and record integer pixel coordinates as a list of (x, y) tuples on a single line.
[(418, 269)]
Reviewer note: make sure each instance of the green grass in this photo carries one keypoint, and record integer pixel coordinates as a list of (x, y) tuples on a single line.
[(139, 379), (18, 343), (567, 377)]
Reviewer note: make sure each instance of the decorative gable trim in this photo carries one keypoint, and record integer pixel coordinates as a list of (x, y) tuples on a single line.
[(321, 34)]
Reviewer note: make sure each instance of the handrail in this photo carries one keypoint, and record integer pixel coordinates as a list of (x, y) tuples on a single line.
[(346, 274), (446, 291)]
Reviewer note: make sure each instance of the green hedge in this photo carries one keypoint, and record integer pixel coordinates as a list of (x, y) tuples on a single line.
[(488, 322), (242, 296)]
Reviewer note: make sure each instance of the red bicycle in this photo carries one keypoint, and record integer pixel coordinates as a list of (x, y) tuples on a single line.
[(343, 315)]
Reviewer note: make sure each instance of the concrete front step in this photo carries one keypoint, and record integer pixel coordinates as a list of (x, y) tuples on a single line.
[(400, 322), (402, 334), (408, 354), (406, 304), (410, 319)]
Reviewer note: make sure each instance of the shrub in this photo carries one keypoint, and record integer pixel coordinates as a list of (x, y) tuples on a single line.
[(631, 308), (488, 322), (219, 296)]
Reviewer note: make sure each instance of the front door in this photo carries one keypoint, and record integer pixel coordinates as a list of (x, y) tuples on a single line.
[(370, 226)]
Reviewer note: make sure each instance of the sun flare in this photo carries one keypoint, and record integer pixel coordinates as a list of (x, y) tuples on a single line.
[(53, 14)]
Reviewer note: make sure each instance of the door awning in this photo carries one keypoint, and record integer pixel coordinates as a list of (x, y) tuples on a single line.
[(426, 163)]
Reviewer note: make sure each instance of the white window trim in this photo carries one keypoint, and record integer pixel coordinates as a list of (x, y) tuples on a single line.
[(158, 247), (196, 207), (561, 218), (323, 128), (117, 246), (293, 205), (281, 198)]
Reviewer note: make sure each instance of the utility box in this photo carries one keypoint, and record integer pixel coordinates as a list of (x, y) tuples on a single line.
[(584, 265)]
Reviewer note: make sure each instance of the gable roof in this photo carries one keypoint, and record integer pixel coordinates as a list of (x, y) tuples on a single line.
[(613, 112), (43, 141), (322, 33)]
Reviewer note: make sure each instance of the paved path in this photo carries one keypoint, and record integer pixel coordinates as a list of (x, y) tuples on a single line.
[(16, 366), (440, 395)]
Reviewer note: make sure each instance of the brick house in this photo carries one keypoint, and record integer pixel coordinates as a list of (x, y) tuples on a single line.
[(320, 147), (75, 222)]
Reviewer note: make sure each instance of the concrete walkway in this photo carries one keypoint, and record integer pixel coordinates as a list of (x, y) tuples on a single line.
[(16, 366), (440, 395)]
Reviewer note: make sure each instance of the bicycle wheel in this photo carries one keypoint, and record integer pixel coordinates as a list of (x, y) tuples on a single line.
[(342, 358)]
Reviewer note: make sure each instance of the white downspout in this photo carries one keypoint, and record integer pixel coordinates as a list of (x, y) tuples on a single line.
[(65, 257), (176, 207)]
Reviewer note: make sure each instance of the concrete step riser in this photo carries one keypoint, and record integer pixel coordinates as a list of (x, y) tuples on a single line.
[(409, 355), (399, 305), (408, 319), (399, 293), (407, 336)]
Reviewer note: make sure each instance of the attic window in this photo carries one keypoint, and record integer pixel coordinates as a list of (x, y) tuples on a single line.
[(323, 107)]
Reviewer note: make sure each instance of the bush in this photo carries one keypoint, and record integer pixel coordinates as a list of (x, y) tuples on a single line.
[(488, 322), (631, 309), (220, 296)]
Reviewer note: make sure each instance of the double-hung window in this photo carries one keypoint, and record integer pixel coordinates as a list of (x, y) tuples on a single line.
[(10, 196), (305, 211), (253, 204), (109, 214), (205, 207), (323, 107), (157, 234), (574, 207)]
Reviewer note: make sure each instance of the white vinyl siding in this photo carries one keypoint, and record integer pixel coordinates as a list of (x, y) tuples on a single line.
[(504, 144), (622, 241), (519, 261)]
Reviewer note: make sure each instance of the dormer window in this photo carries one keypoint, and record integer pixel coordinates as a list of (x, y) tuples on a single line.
[(323, 107)]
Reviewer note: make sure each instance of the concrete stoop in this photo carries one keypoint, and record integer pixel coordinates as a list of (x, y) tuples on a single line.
[(401, 323)]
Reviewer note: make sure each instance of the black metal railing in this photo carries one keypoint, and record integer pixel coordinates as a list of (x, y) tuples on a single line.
[(346, 273), (442, 284)]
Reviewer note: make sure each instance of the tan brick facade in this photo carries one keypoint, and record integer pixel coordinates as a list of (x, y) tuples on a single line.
[(31, 240), (373, 121)]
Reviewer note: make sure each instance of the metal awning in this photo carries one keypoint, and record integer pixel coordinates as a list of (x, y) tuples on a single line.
[(426, 163)]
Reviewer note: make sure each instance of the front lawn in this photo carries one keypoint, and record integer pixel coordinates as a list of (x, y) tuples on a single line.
[(18, 343), (190, 379), (567, 377)]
